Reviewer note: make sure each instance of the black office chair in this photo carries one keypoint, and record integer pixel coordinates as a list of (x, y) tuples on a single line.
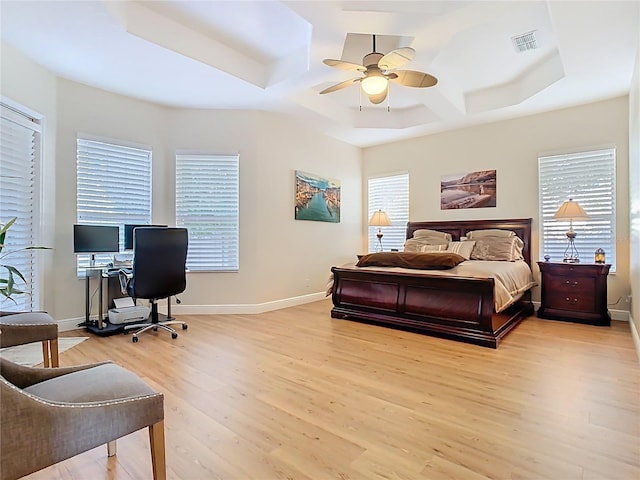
[(159, 271)]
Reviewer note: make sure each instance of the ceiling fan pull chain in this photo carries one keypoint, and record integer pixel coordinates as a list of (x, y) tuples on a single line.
[(388, 95), (360, 96)]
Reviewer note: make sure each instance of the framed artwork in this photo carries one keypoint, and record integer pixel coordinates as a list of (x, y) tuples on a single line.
[(317, 198), (468, 190)]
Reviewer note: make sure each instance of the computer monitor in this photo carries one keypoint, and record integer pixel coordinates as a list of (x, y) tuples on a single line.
[(128, 233), (94, 239)]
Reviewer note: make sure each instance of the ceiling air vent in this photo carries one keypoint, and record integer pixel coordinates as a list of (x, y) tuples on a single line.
[(524, 42)]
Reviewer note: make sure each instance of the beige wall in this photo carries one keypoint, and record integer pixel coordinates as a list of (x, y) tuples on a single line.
[(634, 189), (299, 249), (512, 148)]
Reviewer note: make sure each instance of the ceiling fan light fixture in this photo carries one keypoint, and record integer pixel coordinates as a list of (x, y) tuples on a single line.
[(374, 84)]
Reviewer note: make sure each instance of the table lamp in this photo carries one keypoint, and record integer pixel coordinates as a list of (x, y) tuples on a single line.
[(573, 211), (379, 219)]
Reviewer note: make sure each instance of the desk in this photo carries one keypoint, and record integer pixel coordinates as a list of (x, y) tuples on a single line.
[(90, 273), (102, 326)]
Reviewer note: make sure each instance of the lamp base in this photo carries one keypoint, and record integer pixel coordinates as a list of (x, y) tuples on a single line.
[(379, 244), (571, 253), (571, 260)]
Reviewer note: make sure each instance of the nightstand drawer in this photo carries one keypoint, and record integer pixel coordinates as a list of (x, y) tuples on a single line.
[(560, 285), (573, 302)]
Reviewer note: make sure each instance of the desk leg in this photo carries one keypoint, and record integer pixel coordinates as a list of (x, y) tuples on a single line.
[(100, 313), (87, 293)]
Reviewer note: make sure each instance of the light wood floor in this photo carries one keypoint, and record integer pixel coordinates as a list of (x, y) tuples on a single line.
[(294, 394)]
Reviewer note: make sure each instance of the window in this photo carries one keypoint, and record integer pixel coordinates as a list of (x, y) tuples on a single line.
[(391, 195), (113, 188), (20, 144), (589, 179), (207, 204)]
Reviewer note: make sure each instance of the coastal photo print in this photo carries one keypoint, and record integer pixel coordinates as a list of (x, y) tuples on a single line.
[(317, 198), (468, 190)]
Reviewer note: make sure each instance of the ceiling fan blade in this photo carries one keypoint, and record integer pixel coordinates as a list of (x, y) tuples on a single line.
[(396, 58), (412, 78), (340, 86), (380, 97), (344, 65)]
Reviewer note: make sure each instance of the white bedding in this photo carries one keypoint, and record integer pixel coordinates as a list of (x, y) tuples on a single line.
[(511, 279)]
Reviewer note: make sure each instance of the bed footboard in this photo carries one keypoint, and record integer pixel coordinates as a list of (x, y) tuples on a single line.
[(458, 308)]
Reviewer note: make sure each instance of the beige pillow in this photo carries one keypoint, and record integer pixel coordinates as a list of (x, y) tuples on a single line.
[(416, 244), (490, 232), (461, 248), (498, 248), (433, 248), (424, 232)]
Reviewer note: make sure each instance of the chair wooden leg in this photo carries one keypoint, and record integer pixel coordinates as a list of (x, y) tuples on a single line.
[(55, 356), (158, 461), (112, 448), (45, 353)]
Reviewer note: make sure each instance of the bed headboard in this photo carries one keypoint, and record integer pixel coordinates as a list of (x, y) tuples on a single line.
[(459, 228)]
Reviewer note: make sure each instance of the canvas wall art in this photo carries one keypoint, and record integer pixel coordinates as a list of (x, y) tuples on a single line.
[(468, 190), (317, 198)]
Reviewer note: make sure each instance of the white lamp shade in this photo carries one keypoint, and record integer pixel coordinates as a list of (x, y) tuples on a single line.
[(379, 219), (571, 210)]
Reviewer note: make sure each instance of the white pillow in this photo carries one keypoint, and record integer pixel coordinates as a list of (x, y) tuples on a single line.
[(463, 249)]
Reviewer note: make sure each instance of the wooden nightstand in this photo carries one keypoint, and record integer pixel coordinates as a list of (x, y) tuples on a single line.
[(575, 292)]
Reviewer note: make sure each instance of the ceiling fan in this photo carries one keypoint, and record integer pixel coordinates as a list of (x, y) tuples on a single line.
[(378, 70)]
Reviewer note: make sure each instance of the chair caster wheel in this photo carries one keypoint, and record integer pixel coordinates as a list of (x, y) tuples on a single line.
[(185, 326), (174, 335), (134, 339)]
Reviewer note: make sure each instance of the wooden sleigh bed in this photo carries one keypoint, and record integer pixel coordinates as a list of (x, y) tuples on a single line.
[(457, 308)]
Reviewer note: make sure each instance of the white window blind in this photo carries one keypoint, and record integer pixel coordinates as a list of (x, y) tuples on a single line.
[(19, 156), (207, 204), (391, 195), (113, 188), (589, 179)]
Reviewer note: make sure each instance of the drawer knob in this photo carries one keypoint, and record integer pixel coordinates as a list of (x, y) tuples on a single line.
[(567, 282), (575, 300)]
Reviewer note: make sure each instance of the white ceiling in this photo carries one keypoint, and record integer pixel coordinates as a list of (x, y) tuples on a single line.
[(268, 55)]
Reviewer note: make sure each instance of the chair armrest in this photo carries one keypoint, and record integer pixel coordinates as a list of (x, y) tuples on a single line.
[(4, 313), (22, 376)]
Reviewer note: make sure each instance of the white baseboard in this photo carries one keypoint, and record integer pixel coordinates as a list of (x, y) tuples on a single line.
[(70, 324), (245, 309)]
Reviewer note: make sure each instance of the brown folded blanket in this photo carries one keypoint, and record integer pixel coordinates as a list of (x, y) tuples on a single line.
[(422, 261)]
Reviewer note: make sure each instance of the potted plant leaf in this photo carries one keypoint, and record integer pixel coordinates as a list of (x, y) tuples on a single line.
[(9, 272)]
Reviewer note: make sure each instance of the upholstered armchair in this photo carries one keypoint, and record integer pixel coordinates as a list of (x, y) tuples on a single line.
[(50, 414), (29, 327)]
